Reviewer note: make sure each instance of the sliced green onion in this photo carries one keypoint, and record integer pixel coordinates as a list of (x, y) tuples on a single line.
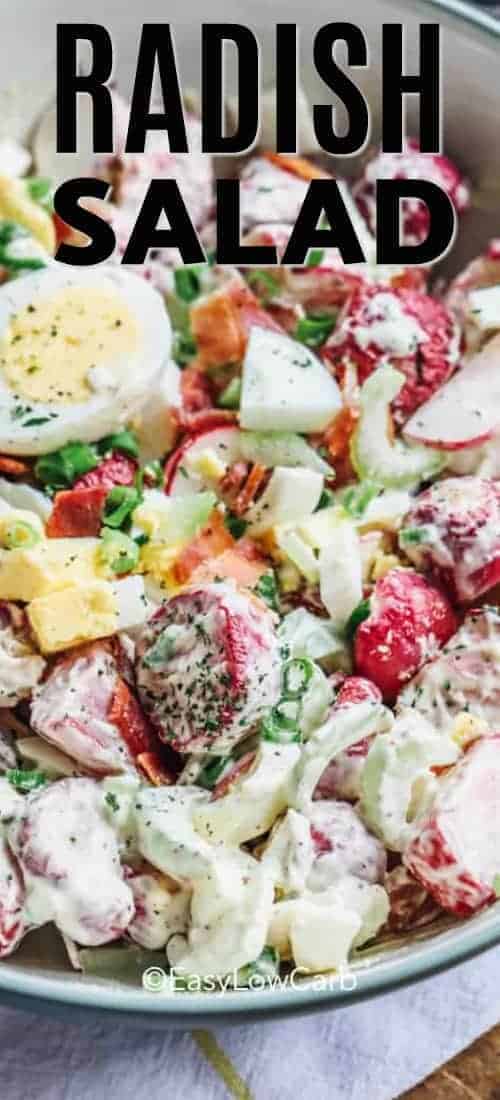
[(281, 724), (315, 329), (235, 525), (9, 232), (187, 282), (212, 771), (415, 535), (20, 534), (40, 190), (119, 505), (267, 589), (125, 442), (297, 674), (264, 282), (25, 780), (315, 257), (356, 498), (117, 551), (60, 469), (184, 348), (230, 397), (261, 971), (326, 499), (360, 613)]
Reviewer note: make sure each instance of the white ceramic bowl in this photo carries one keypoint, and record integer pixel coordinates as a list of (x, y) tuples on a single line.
[(38, 975)]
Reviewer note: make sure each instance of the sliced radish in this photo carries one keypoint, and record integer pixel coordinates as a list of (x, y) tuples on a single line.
[(181, 475), (466, 411), (456, 852)]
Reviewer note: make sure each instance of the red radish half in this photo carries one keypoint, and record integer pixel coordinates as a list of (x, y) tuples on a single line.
[(223, 441), (466, 411)]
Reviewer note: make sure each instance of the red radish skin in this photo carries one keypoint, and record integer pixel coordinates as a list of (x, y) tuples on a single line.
[(369, 331), (455, 854), (208, 667), (465, 412), (219, 437), (409, 621), (462, 547), (118, 469)]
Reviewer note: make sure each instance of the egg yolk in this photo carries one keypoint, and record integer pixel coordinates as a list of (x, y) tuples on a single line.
[(66, 347)]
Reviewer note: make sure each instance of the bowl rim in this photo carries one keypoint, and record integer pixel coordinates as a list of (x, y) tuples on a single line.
[(435, 956)]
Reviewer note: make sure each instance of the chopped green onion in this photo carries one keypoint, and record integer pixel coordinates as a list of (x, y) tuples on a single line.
[(119, 505), (297, 674), (416, 535), (117, 551), (124, 441), (60, 469), (360, 613), (315, 257), (230, 397), (235, 525), (184, 348), (280, 725), (25, 780), (267, 285), (20, 534), (315, 329), (212, 771), (356, 498), (267, 589), (40, 190), (187, 282), (325, 500), (261, 971), (9, 232)]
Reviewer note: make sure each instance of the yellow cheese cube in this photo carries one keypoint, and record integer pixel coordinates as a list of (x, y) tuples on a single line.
[(157, 559), (26, 574), (73, 616)]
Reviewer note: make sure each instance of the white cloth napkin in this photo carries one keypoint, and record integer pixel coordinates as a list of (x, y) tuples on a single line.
[(376, 1049)]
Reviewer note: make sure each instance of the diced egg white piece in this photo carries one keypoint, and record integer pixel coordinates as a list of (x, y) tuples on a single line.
[(319, 930), (289, 495), (484, 306), (155, 429), (341, 574), (131, 602), (285, 387), (251, 807), (18, 495)]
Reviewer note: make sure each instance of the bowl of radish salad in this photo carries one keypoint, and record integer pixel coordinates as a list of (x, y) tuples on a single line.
[(249, 624)]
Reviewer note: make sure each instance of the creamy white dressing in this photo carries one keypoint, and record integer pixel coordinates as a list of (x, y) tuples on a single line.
[(389, 327), (70, 863)]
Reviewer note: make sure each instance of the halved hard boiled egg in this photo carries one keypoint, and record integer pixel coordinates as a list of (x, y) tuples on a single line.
[(81, 352)]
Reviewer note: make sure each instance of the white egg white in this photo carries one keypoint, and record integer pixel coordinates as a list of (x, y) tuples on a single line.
[(119, 389)]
